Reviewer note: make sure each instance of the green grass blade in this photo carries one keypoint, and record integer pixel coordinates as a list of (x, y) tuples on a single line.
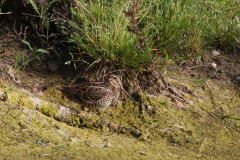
[(27, 43), (41, 51), (48, 6), (34, 6)]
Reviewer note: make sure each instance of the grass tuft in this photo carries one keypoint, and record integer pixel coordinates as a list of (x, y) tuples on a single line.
[(102, 32), (114, 31)]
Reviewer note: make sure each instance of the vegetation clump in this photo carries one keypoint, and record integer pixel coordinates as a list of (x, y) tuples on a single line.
[(132, 33)]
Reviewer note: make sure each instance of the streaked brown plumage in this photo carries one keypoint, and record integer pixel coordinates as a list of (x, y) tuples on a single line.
[(97, 94)]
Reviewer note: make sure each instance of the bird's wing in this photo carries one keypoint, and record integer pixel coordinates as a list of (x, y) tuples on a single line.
[(93, 93), (87, 91), (74, 89)]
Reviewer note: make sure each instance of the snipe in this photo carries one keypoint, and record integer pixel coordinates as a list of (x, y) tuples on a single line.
[(97, 94)]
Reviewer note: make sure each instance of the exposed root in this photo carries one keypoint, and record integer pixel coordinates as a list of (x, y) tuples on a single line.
[(169, 90)]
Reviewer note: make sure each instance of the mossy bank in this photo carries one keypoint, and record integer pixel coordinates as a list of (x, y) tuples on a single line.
[(155, 129)]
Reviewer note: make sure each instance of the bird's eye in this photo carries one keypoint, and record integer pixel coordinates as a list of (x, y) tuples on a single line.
[(114, 77)]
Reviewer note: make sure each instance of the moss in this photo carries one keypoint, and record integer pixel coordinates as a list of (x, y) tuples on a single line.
[(48, 109), (20, 99), (55, 96), (4, 85), (155, 129)]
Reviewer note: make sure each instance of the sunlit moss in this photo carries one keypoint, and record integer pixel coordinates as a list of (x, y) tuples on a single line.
[(187, 133)]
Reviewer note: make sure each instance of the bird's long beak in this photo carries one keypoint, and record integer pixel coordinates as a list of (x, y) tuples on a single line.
[(128, 94)]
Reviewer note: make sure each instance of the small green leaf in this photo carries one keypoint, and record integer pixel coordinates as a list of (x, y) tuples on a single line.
[(38, 58), (27, 43), (34, 6), (166, 57), (47, 25), (51, 35), (41, 50), (47, 6), (5, 13), (165, 73), (1, 71), (68, 62), (43, 36)]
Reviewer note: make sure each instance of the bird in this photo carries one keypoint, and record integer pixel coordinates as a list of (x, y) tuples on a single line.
[(97, 94)]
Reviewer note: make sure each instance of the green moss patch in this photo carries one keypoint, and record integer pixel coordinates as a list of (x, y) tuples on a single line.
[(155, 128)]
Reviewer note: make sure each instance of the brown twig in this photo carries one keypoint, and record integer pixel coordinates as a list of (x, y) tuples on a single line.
[(132, 14)]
